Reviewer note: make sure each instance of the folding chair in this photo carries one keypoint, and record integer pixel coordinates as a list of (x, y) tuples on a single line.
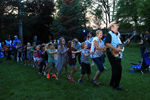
[(144, 63)]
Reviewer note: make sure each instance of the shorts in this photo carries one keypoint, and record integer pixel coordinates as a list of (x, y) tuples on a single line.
[(51, 65), (29, 56), (55, 62), (71, 65), (85, 68), (46, 61), (35, 59)]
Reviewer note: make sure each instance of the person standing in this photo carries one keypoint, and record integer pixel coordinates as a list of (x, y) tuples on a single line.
[(97, 47), (90, 39), (16, 40), (62, 58), (77, 46), (112, 40), (143, 44)]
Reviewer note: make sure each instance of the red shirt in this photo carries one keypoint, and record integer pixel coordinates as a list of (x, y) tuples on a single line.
[(71, 56), (34, 53)]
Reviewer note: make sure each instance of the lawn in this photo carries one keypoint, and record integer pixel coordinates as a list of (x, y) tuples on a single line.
[(19, 82)]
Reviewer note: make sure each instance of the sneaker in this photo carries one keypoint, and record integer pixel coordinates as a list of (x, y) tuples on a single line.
[(72, 80), (88, 79), (56, 78), (44, 73), (95, 82), (69, 77), (40, 73), (106, 69), (54, 75), (48, 76), (92, 64), (80, 81)]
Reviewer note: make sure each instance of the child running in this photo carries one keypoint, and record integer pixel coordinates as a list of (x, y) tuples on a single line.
[(62, 58), (85, 64), (42, 59), (35, 56), (51, 51), (31, 49), (72, 59), (29, 53)]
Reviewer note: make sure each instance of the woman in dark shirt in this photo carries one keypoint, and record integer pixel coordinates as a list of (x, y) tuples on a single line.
[(143, 44)]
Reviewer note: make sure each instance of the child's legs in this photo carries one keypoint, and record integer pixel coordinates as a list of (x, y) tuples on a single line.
[(73, 71), (66, 69), (46, 62), (41, 67), (82, 70), (54, 70), (88, 70), (17, 56), (50, 66)]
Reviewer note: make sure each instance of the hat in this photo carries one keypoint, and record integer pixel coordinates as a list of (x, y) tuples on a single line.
[(15, 36)]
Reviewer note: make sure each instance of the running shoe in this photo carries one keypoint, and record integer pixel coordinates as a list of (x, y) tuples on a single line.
[(72, 80), (80, 81), (48, 76), (69, 77), (54, 75), (44, 73)]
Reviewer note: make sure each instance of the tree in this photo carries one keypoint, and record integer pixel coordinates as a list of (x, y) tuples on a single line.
[(69, 20), (101, 11), (144, 12), (127, 14), (8, 19), (38, 18)]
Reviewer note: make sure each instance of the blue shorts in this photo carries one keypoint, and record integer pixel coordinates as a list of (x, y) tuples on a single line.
[(46, 61), (55, 61), (71, 65)]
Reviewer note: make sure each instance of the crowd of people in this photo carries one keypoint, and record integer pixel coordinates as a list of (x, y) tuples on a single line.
[(52, 57)]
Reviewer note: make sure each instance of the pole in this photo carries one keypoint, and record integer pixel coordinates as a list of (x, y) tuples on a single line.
[(20, 22)]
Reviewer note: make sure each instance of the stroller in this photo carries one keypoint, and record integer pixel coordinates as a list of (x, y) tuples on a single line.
[(144, 63)]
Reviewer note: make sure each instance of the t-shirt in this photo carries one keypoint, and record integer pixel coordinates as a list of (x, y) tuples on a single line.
[(88, 43), (31, 49), (42, 55), (56, 55), (34, 53), (144, 42), (71, 56), (38, 53), (20, 49), (16, 41), (28, 50), (109, 39), (83, 58), (46, 56), (97, 53), (50, 56), (78, 46)]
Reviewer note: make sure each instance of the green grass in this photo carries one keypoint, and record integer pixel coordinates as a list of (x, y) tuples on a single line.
[(19, 82)]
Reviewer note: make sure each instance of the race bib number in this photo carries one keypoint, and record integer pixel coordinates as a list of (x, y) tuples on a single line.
[(73, 55)]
